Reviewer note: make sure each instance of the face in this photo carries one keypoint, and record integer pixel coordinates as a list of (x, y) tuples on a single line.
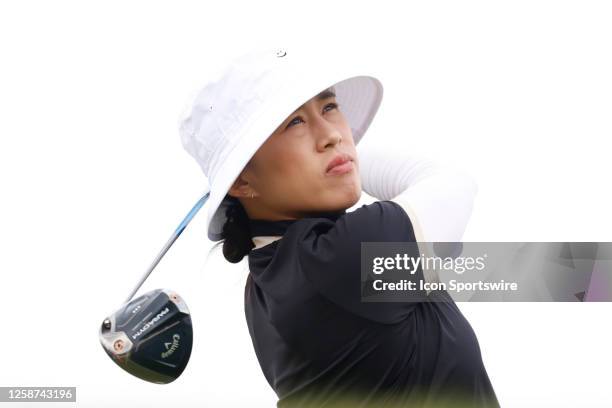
[(289, 177)]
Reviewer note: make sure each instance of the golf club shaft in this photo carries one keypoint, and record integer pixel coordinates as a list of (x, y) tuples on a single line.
[(168, 244)]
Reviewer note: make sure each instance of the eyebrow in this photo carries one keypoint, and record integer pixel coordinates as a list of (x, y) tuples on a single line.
[(327, 93)]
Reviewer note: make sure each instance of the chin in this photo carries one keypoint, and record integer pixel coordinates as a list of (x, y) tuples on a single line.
[(349, 198), (339, 196)]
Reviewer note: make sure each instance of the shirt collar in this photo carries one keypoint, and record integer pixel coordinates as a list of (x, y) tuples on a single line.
[(276, 228), (263, 240)]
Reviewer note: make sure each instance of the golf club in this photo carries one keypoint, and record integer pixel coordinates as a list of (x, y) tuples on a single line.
[(151, 336)]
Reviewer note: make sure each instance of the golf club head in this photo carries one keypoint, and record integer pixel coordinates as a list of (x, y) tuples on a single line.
[(150, 337)]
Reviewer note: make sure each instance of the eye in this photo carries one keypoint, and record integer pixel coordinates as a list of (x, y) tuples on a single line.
[(293, 121), (332, 105)]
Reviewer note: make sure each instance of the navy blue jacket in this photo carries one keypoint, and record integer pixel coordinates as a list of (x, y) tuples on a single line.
[(319, 345)]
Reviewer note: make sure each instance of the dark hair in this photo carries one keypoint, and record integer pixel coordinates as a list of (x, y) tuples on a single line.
[(236, 233)]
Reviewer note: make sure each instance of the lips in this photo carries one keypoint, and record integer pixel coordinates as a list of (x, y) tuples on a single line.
[(338, 160)]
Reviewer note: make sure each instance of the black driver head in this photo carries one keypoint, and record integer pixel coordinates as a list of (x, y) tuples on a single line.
[(150, 337)]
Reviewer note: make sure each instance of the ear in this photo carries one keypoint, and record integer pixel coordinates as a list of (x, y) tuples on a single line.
[(240, 187)]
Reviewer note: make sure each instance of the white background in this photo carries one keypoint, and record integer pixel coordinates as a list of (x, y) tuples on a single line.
[(94, 178)]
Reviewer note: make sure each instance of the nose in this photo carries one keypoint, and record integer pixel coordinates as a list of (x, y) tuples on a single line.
[(327, 134)]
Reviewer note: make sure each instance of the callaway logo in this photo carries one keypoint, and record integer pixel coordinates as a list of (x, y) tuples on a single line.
[(150, 323), (171, 347)]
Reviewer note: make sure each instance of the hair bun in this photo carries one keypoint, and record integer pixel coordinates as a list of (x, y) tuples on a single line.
[(236, 232)]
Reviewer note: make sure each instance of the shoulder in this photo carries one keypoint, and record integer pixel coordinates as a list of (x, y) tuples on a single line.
[(329, 245), (329, 256), (327, 242), (383, 221)]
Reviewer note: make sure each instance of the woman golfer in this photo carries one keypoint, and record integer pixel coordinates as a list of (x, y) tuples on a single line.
[(276, 136)]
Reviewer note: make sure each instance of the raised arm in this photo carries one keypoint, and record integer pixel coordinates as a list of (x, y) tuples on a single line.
[(437, 198)]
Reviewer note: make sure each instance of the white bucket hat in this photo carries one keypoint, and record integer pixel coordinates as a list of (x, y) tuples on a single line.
[(234, 115)]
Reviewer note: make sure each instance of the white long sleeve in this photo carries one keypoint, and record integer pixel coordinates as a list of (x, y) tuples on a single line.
[(437, 198)]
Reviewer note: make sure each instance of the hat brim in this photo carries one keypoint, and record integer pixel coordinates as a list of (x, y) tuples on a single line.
[(358, 95)]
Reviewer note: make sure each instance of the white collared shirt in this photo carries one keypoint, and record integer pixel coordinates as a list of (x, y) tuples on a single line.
[(264, 240)]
